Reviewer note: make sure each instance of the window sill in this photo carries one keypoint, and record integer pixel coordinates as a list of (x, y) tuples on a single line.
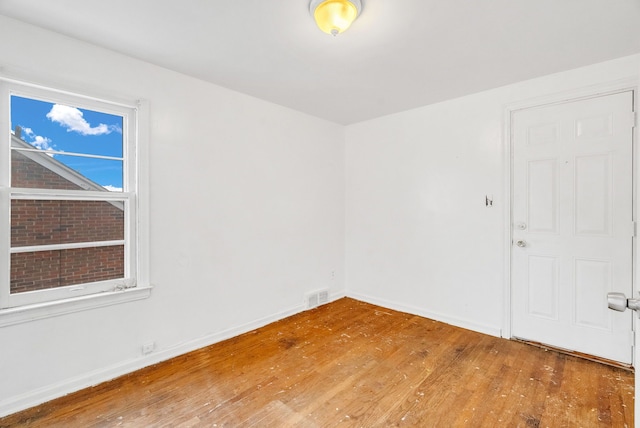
[(22, 314)]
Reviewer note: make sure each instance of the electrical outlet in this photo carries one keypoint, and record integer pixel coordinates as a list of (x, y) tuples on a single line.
[(148, 348)]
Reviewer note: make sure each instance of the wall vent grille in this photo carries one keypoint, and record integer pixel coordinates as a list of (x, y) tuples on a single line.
[(316, 298)]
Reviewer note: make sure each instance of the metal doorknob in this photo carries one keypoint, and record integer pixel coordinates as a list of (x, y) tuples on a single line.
[(521, 243), (619, 302)]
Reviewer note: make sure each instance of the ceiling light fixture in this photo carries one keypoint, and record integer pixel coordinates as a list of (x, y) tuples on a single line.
[(334, 16)]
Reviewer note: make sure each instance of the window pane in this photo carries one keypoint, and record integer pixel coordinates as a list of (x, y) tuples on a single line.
[(50, 269), (44, 171), (46, 222), (49, 126)]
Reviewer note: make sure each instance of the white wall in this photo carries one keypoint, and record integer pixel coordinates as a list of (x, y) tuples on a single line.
[(419, 237), (247, 215)]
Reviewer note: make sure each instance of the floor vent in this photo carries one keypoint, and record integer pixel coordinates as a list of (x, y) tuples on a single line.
[(317, 298)]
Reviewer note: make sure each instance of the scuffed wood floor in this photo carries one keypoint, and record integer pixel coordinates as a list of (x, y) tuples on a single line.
[(353, 364)]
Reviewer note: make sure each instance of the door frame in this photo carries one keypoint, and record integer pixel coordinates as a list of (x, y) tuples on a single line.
[(622, 85)]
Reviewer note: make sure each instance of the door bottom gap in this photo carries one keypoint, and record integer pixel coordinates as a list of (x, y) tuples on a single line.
[(593, 358)]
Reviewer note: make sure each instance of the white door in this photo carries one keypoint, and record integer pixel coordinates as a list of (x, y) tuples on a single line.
[(572, 224)]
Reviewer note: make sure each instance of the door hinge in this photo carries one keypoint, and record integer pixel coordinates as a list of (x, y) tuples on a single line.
[(634, 229), (634, 119)]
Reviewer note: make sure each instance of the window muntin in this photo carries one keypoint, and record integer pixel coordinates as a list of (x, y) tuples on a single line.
[(32, 169), (71, 193)]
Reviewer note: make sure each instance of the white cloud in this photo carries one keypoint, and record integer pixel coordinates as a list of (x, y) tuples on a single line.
[(111, 188), (42, 143), (72, 119), (37, 141)]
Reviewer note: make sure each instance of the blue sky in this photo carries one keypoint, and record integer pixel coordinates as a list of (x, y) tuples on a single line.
[(54, 127)]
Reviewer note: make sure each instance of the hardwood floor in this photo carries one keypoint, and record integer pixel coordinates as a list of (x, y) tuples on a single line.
[(353, 364)]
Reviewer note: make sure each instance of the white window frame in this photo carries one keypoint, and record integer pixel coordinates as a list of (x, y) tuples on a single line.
[(21, 307)]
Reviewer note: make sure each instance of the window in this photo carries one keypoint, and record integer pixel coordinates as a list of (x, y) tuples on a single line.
[(69, 193)]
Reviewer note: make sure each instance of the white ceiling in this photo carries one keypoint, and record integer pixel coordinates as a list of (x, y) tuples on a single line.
[(398, 55)]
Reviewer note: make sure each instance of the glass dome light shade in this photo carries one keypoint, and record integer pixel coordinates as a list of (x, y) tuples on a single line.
[(335, 16)]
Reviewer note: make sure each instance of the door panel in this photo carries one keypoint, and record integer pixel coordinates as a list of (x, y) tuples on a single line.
[(593, 195), (542, 287), (592, 278), (542, 201), (572, 218)]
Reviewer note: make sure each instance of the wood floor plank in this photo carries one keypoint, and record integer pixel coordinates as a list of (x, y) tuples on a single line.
[(353, 364)]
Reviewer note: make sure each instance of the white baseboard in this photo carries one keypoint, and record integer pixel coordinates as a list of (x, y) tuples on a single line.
[(338, 295), (458, 322)]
